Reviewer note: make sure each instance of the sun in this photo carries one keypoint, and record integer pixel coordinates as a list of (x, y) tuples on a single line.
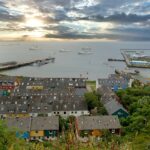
[(34, 22)]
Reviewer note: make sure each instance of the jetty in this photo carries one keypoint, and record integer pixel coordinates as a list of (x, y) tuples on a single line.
[(8, 65), (135, 63), (114, 59)]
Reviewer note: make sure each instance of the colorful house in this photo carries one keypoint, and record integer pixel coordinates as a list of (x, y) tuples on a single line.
[(44, 127), (95, 125), (20, 125), (113, 107)]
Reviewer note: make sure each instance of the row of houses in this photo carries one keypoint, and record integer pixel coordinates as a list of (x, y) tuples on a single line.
[(44, 97), (34, 104), (59, 96), (107, 88), (34, 128), (47, 86), (115, 82), (96, 125), (47, 128), (44, 86), (43, 105)]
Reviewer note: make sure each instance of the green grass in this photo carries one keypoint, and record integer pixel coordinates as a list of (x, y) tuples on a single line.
[(92, 84)]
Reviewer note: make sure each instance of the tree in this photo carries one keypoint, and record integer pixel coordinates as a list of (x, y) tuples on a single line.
[(93, 102), (7, 137)]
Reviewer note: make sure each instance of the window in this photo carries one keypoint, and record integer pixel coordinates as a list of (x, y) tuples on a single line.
[(113, 131), (36, 131), (64, 112), (45, 107), (38, 108), (57, 112)]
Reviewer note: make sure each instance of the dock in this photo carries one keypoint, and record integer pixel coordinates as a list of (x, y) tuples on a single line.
[(129, 64), (9, 66), (114, 59)]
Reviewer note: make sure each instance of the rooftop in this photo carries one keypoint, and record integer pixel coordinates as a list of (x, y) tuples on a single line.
[(113, 106), (45, 123), (22, 124), (98, 122)]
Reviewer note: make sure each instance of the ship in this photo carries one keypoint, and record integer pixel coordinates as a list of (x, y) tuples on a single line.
[(85, 51), (35, 47), (63, 50)]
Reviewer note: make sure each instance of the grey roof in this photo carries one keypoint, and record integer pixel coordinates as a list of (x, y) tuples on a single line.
[(22, 124), (98, 122), (80, 91), (40, 108), (56, 91), (70, 104), (50, 85), (114, 79), (41, 104), (113, 106), (7, 78), (106, 94), (45, 123), (3, 109)]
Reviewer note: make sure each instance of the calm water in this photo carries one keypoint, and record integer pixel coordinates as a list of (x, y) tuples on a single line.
[(69, 64)]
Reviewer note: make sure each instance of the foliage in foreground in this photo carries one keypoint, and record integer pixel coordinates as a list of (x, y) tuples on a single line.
[(136, 127), (135, 133)]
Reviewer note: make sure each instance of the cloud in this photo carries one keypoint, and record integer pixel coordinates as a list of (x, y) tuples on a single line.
[(139, 32), (79, 19), (7, 16), (125, 34), (118, 18), (110, 36)]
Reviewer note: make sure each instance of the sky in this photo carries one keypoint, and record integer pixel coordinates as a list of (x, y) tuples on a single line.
[(121, 20)]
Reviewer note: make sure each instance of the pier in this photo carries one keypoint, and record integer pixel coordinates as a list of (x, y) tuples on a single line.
[(113, 59), (5, 66), (129, 63)]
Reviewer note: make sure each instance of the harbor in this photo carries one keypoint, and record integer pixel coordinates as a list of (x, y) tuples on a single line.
[(13, 65), (136, 59)]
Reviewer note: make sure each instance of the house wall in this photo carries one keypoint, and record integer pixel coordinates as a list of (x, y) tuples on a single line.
[(49, 114), (50, 133), (3, 115), (70, 113), (115, 131), (39, 133), (96, 132), (33, 114), (120, 113), (18, 115), (7, 87), (24, 135)]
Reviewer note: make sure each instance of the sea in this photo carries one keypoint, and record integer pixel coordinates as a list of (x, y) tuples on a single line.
[(69, 64)]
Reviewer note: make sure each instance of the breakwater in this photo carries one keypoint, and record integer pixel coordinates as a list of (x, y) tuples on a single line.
[(4, 67)]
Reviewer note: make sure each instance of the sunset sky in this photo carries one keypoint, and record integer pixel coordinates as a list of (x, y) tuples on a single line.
[(126, 20)]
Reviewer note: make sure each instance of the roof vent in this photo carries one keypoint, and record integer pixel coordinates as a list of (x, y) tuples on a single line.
[(74, 106), (65, 106)]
